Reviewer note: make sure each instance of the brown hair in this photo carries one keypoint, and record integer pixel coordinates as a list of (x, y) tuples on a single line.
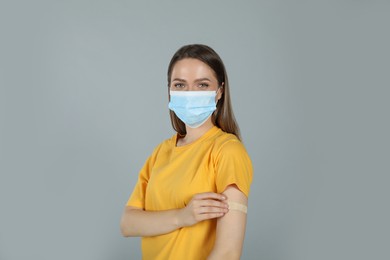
[(223, 116)]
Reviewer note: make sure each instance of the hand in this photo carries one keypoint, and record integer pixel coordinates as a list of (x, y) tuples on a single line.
[(203, 206)]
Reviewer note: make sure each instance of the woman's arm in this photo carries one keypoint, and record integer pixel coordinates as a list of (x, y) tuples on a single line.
[(138, 222), (230, 228)]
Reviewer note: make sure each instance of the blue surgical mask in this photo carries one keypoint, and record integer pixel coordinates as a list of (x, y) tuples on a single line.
[(193, 107)]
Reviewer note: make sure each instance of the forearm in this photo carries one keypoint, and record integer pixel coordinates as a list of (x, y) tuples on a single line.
[(203, 206), (142, 223)]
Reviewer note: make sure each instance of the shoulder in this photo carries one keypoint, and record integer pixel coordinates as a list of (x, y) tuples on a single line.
[(228, 143), (232, 164), (164, 146), (169, 142)]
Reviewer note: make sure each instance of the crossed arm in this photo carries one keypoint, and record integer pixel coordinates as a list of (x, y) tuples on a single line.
[(230, 223)]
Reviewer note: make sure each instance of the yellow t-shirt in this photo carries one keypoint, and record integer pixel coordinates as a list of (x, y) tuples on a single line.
[(170, 178)]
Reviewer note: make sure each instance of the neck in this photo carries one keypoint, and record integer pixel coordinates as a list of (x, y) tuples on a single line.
[(195, 133)]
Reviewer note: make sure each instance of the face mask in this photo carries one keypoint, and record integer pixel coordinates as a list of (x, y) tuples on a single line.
[(193, 107)]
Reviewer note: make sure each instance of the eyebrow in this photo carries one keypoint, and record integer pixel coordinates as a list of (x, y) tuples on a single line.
[(197, 80), (202, 79)]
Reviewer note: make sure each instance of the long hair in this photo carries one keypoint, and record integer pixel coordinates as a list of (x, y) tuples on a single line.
[(223, 116)]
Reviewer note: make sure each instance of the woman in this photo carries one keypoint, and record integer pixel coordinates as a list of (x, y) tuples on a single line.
[(191, 196)]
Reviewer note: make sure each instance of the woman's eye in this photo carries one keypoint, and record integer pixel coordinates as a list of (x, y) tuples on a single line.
[(179, 85), (203, 85)]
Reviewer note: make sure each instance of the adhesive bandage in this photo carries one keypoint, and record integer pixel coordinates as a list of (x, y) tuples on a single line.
[(238, 206)]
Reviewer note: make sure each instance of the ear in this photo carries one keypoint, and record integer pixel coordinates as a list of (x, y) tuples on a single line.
[(220, 91)]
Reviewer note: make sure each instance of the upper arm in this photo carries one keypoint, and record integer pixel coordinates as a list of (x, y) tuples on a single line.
[(129, 208), (233, 167), (231, 227)]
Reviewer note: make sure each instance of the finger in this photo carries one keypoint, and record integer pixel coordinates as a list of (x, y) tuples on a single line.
[(207, 210), (210, 216), (213, 203), (209, 195)]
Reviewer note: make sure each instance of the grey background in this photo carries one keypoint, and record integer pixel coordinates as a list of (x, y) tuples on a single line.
[(83, 102)]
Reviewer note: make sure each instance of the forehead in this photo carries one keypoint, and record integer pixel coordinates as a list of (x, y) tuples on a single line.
[(192, 68)]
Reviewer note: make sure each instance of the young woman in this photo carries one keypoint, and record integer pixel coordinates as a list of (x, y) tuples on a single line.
[(191, 197)]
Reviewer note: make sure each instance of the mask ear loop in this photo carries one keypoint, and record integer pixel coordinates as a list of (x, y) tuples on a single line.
[(213, 116), (216, 104)]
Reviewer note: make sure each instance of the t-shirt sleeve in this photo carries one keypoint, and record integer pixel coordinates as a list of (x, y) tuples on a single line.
[(233, 166), (137, 198)]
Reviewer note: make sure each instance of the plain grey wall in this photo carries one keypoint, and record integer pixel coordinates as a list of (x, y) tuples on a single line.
[(84, 101)]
